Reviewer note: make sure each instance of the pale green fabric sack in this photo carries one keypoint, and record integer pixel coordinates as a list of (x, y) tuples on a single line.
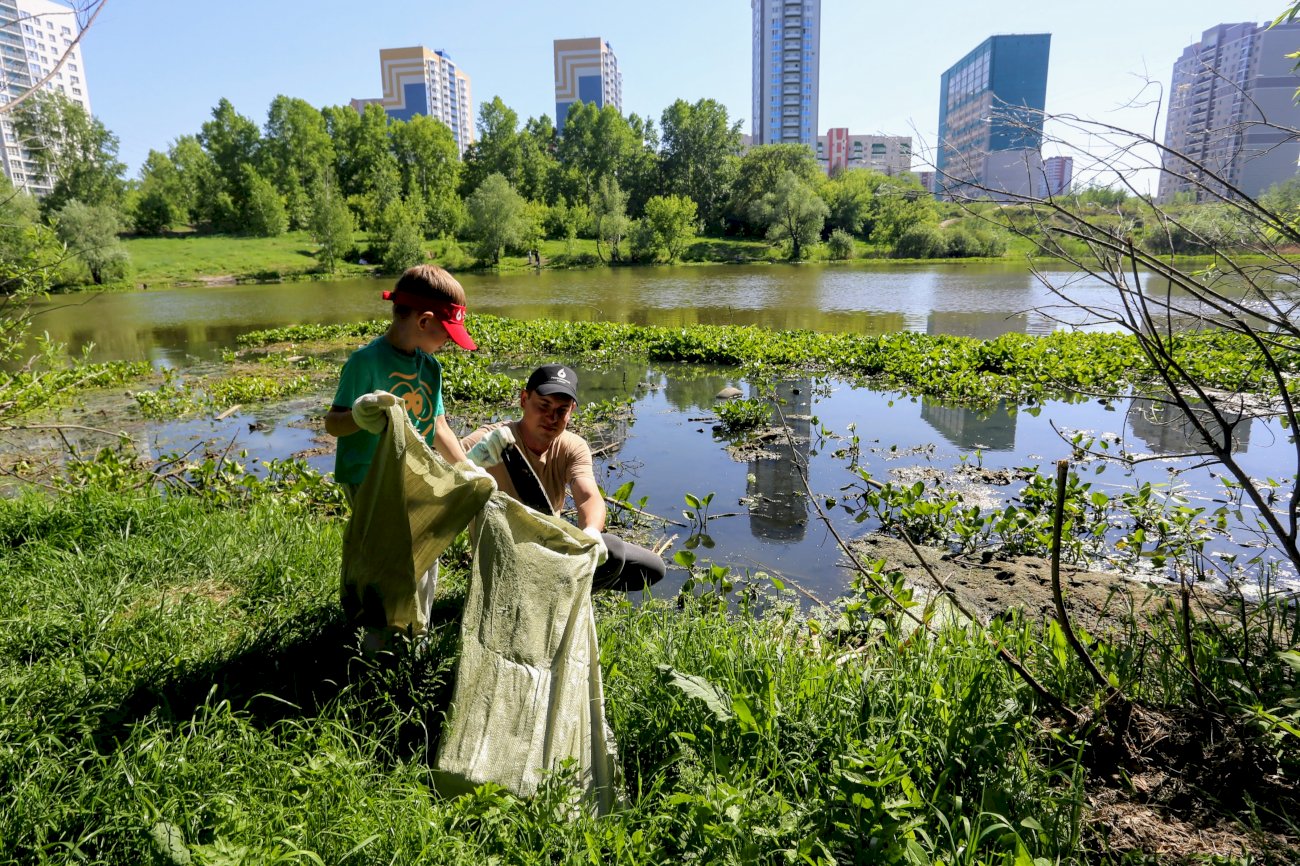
[(409, 508), (528, 693)]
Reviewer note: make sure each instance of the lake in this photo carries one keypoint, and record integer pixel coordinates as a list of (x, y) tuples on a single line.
[(978, 300), (670, 449)]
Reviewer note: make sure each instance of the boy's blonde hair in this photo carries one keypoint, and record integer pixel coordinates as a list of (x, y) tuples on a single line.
[(427, 281)]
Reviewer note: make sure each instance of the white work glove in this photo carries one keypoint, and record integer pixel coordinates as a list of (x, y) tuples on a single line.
[(370, 411), (487, 451), (473, 471), (602, 551)]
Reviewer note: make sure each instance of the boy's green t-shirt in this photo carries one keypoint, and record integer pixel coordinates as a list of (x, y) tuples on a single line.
[(379, 366)]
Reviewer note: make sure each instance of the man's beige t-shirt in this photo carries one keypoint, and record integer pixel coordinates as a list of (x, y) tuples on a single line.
[(568, 459)]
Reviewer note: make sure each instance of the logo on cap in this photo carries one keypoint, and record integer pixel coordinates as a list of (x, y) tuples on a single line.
[(458, 314), (561, 373)]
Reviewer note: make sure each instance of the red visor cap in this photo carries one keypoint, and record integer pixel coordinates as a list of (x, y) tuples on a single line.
[(452, 316)]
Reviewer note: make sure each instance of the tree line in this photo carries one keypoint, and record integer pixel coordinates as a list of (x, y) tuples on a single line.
[(642, 190)]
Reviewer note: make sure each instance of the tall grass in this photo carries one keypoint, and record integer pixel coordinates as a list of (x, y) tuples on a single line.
[(177, 685)]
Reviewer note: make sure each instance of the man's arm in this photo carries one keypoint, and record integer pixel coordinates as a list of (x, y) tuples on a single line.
[(589, 502), (446, 442)]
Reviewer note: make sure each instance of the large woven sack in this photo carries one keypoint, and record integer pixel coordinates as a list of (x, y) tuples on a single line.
[(410, 507), (529, 695)]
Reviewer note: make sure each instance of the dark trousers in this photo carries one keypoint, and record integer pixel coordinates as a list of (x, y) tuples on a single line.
[(629, 567)]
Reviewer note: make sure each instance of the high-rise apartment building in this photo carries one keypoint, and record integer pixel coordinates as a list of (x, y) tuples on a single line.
[(1058, 174), (420, 81), (586, 70), (34, 35), (839, 149), (991, 119), (787, 57), (1231, 103)]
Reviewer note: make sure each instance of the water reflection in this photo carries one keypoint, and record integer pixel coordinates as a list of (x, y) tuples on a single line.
[(1166, 431), (991, 429), (980, 325), (779, 513)]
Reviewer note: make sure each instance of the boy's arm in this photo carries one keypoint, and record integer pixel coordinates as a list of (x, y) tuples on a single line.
[(446, 442), (339, 422)]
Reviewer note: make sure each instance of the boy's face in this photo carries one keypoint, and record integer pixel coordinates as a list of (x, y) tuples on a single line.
[(426, 332)]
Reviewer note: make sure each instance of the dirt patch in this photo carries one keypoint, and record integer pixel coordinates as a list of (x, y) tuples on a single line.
[(994, 586), (767, 443)]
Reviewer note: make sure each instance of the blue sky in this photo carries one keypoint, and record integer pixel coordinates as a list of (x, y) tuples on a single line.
[(156, 67)]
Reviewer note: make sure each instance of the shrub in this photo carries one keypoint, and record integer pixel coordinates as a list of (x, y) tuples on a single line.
[(921, 242), (840, 245)]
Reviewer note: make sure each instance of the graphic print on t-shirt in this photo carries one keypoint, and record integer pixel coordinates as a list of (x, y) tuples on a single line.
[(417, 396)]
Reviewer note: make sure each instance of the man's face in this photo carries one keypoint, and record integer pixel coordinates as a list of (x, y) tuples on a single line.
[(545, 417)]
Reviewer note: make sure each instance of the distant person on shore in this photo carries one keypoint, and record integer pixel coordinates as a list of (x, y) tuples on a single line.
[(428, 311), (536, 458)]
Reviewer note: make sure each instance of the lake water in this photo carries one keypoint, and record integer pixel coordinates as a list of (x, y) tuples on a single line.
[(978, 300), (670, 450)]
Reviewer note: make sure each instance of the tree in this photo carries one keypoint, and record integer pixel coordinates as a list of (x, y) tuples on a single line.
[(264, 214), (331, 225), (497, 150), (161, 201), (76, 151), (758, 172), (792, 211), (198, 179), (90, 233), (851, 198), (840, 245), (598, 143), (899, 203), (497, 217), (231, 140), (297, 154), (429, 166), (673, 222), (401, 241), (609, 210), (700, 146)]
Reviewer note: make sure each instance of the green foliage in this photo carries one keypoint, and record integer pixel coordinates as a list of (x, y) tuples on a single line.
[(264, 214), (72, 148), (743, 414), (921, 242), (671, 222), (398, 238), (840, 245), (162, 196), (331, 226), (498, 218), (90, 233), (793, 212), (297, 155), (700, 147), (759, 170), (609, 211)]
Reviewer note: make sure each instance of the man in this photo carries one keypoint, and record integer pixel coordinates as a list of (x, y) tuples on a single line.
[(536, 458)]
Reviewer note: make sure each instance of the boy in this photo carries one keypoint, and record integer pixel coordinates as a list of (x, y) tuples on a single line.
[(428, 310)]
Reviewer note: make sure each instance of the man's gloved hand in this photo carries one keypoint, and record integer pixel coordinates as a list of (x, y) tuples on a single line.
[(602, 551), (370, 411), (472, 471), (487, 451)]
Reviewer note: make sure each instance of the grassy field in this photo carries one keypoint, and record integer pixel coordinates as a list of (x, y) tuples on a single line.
[(195, 258), (187, 258)]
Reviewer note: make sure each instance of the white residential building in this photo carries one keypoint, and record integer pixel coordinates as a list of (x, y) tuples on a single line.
[(787, 57), (34, 36), (1231, 110)]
